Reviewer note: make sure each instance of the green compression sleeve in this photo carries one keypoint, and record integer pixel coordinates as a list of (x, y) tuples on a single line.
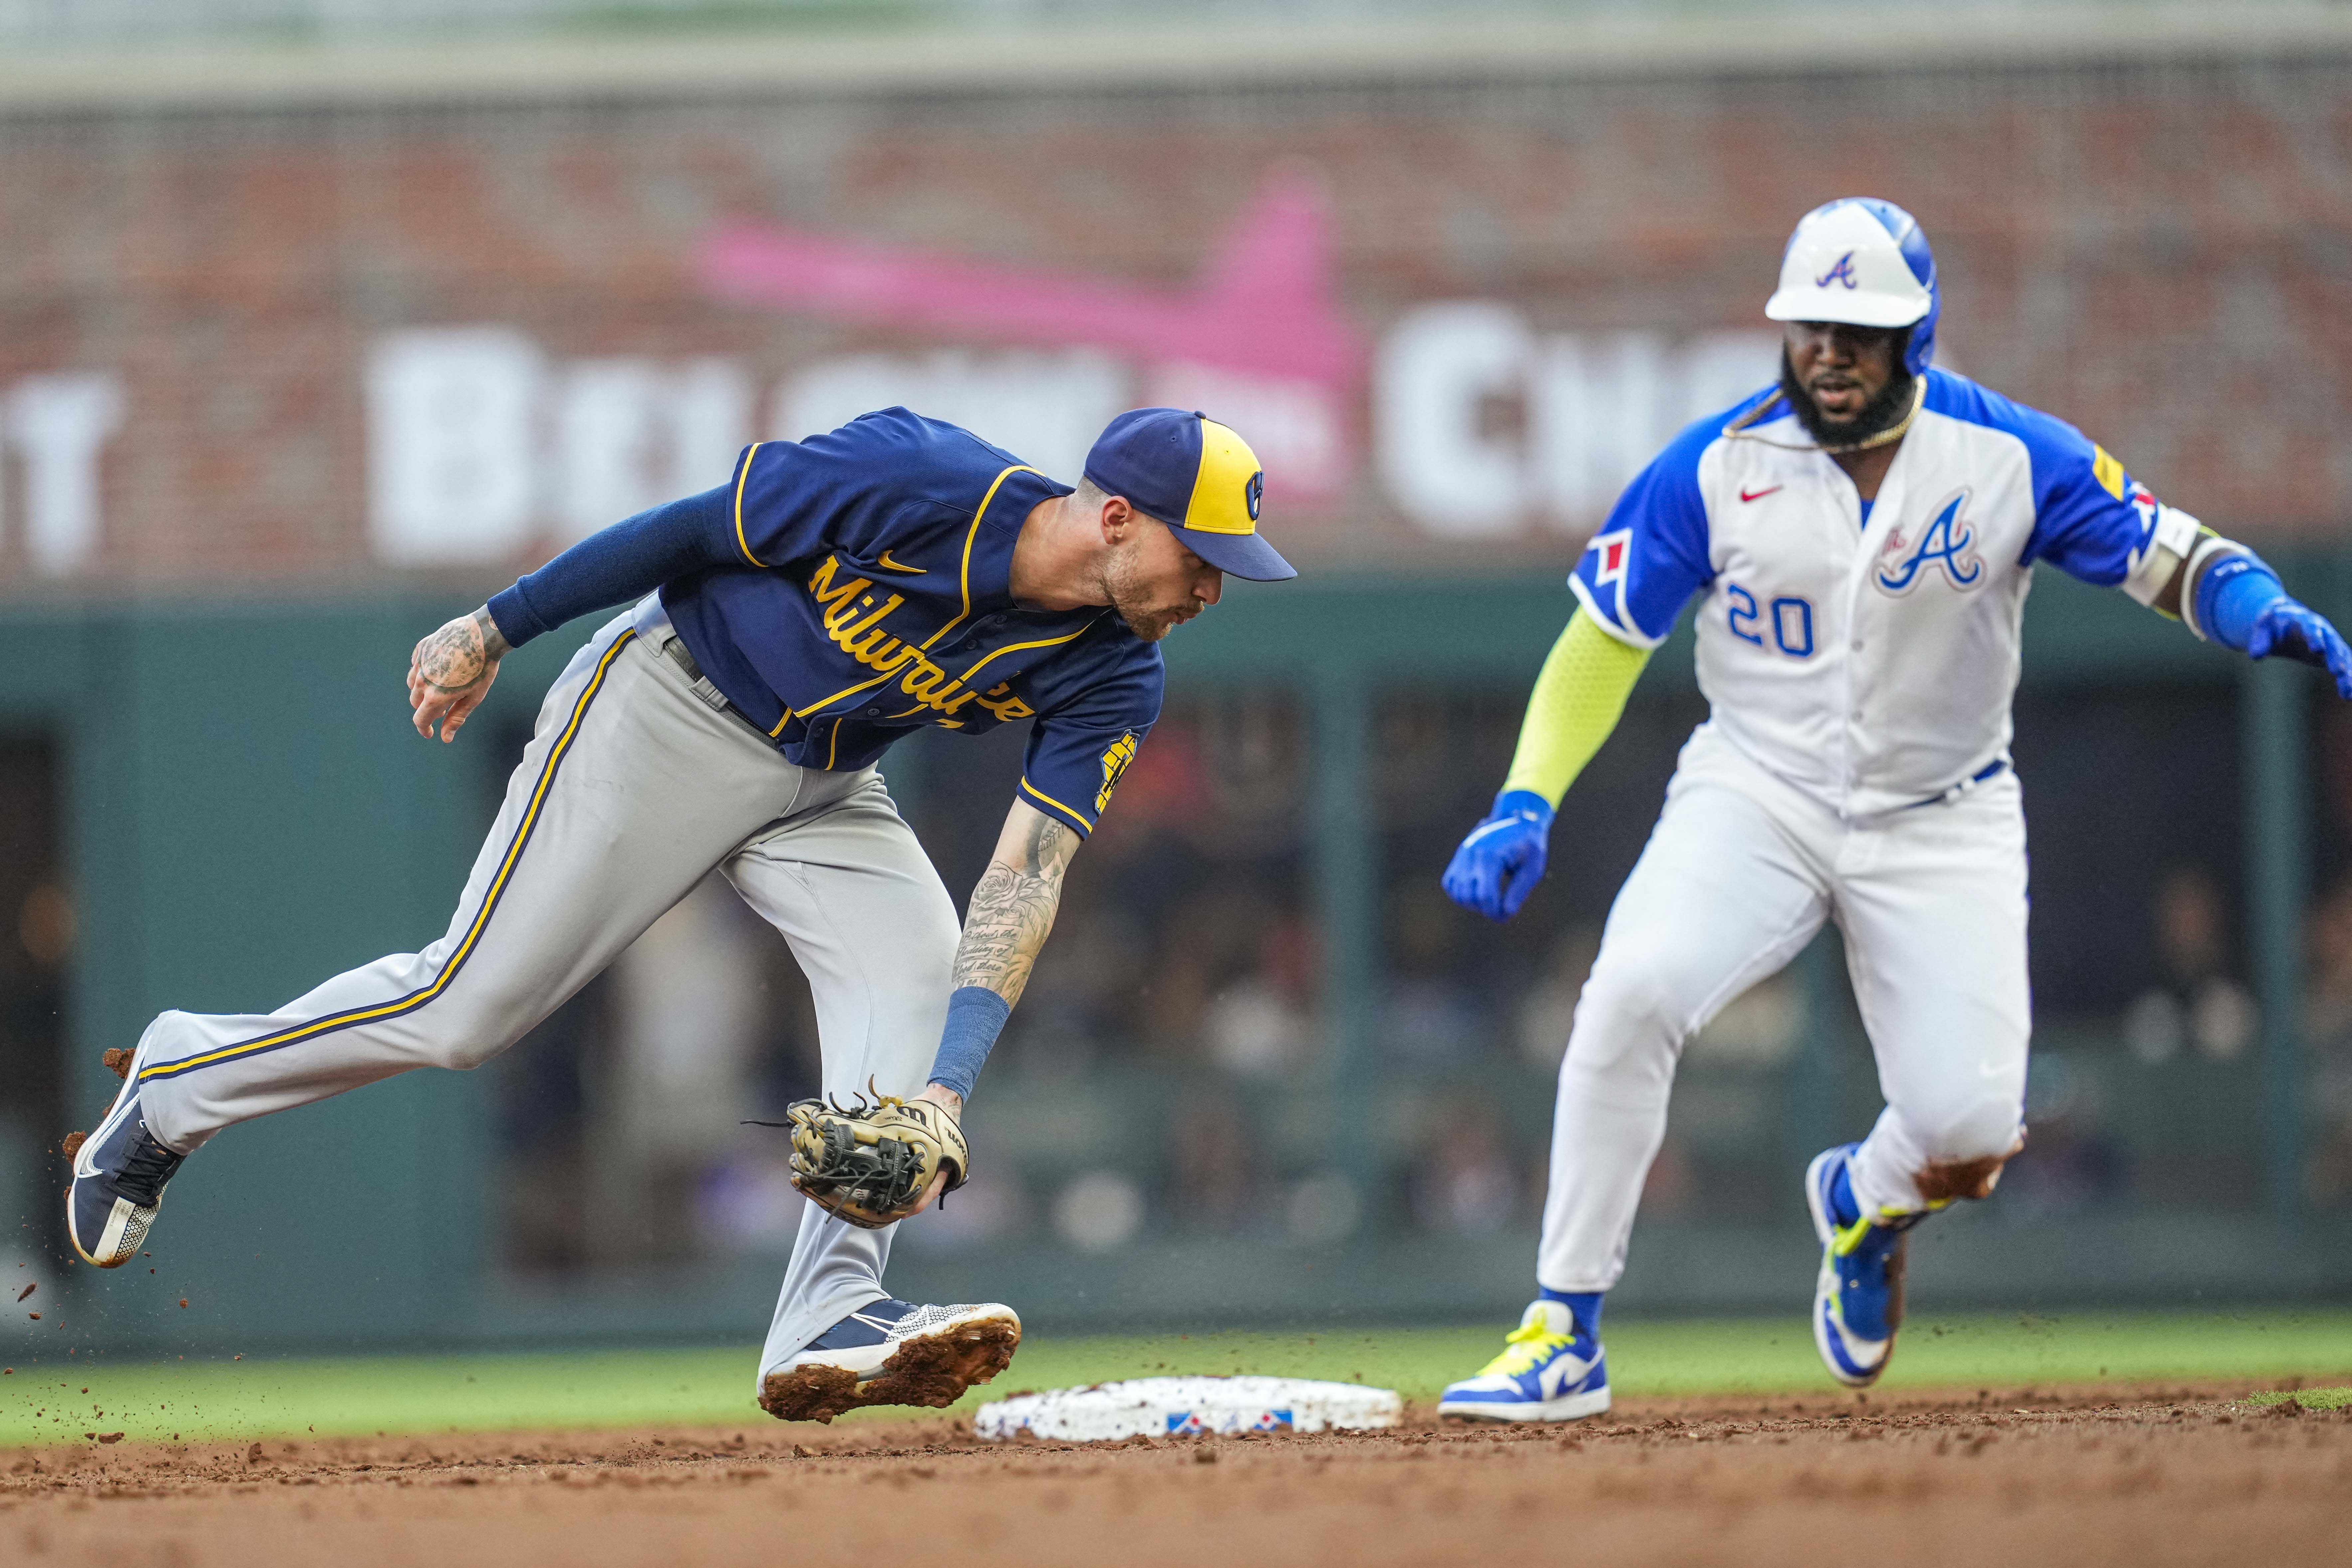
[(1578, 700)]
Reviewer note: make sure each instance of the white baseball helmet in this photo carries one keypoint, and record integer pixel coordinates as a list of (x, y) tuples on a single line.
[(1862, 260)]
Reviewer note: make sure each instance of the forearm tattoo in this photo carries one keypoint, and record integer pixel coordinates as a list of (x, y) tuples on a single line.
[(1012, 909), (460, 653)]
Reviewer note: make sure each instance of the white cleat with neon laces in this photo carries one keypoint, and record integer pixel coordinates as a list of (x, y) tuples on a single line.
[(1550, 1370)]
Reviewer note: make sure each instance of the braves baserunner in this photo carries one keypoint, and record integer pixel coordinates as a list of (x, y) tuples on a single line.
[(836, 595), (1863, 534)]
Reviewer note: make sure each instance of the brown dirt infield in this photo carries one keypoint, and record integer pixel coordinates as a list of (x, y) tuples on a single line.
[(2143, 1475)]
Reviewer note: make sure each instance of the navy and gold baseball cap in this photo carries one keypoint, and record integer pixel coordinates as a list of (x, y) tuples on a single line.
[(1196, 476)]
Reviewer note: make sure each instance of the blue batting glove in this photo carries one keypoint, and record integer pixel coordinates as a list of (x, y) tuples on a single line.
[(2242, 604), (1503, 859), (2295, 630)]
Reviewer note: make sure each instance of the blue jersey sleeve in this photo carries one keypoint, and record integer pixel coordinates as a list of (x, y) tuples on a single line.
[(1651, 554), (615, 565), (2090, 519), (785, 492), (1077, 752)]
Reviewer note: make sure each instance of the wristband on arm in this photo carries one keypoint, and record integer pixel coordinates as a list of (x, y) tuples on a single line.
[(975, 1017), (2231, 596)]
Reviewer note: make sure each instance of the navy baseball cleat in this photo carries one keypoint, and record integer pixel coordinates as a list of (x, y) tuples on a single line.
[(119, 1174), (892, 1352), (1550, 1370), (1858, 1297)]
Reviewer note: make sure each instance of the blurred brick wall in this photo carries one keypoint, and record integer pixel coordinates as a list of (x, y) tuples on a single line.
[(2161, 255)]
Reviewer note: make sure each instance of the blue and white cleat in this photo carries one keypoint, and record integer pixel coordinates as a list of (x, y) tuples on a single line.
[(119, 1174), (1858, 1297), (1549, 1371), (892, 1352)]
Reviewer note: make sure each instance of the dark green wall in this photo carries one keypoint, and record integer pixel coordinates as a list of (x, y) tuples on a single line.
[(249, 812)]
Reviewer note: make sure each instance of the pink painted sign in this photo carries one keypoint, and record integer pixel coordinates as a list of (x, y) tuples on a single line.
[(1260, 342)]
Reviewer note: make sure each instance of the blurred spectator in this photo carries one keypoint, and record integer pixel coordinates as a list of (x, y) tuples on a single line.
[(2327, 1035), (684, 1030), (1433, 1017), (745, 1202), (988, 1209), (1086, 979), (1099, 1212), (2197, 1002), (1215, 1168), (1463, 1184), (1548, 1010), (1323, 1209), (2068, 1165), (1672, 1185), (1758, 1028), (1262, 1023)]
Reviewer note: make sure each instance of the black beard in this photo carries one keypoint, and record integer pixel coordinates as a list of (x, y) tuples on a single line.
[(1883, 412)]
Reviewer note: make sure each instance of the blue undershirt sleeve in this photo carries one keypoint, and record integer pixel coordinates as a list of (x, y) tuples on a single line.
[(620, 563)]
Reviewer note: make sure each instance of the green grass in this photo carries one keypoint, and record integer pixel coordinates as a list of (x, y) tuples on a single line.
[(2309, 1398), (44, 1401)]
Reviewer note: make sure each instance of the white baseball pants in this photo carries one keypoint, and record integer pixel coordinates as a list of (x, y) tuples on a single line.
[(1737, 877), (631, 790)]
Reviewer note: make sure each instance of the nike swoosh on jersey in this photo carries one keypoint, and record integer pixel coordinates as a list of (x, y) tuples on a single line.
[(888, 564), (1745, 494)]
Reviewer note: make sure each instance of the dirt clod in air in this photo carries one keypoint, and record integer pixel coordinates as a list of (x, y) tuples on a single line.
[(72, 1145), (117, 1062)]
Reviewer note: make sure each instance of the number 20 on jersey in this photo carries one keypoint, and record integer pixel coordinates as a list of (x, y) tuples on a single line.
[(1788, 620)]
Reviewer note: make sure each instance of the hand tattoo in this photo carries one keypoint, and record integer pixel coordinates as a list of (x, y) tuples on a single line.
[(1013, 908), (457, 655)]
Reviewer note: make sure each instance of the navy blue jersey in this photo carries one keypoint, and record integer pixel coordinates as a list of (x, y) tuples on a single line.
[(867, 597)]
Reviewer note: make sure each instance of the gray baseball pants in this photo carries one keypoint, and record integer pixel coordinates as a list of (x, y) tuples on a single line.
[(631, 790)]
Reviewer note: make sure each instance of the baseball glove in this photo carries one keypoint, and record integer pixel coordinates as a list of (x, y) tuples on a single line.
[(871, 1163)]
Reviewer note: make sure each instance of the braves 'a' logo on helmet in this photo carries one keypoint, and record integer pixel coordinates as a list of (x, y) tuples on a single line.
[(1842, 272), (1946, 544)]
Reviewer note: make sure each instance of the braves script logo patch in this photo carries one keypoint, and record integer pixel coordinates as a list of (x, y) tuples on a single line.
[(1842, 273), (1947, 544)]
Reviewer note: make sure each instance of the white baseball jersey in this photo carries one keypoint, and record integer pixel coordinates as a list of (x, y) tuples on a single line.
[(1867, 651)]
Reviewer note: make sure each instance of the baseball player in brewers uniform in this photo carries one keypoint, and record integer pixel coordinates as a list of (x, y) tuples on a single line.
[(833, 596), (1862, 536)]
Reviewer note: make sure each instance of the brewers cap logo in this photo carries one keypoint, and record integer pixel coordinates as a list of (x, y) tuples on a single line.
[(1254, 493)]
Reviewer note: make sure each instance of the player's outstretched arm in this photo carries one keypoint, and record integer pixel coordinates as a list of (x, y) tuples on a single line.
[(2226, 594), (450, 672), (1578, 700)]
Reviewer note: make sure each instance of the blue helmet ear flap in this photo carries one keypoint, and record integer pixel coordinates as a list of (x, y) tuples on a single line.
[(1921, 349), (1911, 241)]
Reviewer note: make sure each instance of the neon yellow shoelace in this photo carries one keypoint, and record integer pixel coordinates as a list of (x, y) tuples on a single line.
[(1524, 1349)]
